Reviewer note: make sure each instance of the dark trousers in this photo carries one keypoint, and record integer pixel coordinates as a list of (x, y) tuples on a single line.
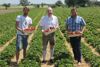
[(76, 46)]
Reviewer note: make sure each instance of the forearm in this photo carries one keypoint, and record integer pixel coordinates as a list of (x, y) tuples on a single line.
[(17, 26), (83, 29), (57, 26), (30, 26), (19, 29)]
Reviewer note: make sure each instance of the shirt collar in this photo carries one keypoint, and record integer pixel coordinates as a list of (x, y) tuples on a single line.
[(50, 17), (74, 17)]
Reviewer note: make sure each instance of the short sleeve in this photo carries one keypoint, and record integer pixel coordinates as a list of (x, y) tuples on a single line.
[(41, 21), (18, 18), (83, 23)]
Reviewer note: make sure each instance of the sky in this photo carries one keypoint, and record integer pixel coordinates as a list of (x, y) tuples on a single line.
[(9, 1), (32, 1)]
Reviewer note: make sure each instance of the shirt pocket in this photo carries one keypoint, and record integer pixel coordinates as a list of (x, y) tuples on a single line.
[(27, 22), (69, 22), (78, 21), (54, 23), (78, 24)]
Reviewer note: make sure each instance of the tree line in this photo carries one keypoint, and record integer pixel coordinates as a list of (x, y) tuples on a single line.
[(68, 3)]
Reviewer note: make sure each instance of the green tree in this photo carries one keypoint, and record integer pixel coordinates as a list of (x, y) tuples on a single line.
[(70, 2), (82, 3), (76, 2), (6, 5), (43, 4), (59, 3), (24, 2)]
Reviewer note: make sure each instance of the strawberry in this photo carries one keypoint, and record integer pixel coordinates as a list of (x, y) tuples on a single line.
[(32, 28), (46, 30)]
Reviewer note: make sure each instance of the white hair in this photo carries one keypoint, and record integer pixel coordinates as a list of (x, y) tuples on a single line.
[(49, 8)]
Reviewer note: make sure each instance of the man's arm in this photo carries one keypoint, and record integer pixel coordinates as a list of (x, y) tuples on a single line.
[(17, 24), (30, 23), (42, 24), (66, 27), (83, 29), (83, 24)]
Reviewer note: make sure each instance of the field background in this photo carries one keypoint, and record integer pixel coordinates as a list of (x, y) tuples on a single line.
[(63, 52)]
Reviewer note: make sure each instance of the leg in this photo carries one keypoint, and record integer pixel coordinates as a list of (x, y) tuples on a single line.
[(17, 56), (75, 53), (52, 43), (78, 49), (18, 43), (75, 43), (72, 41), (44, 43), (25, 43), (24, 53)]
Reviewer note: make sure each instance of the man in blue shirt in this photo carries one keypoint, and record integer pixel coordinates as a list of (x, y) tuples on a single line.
[(75, 26)]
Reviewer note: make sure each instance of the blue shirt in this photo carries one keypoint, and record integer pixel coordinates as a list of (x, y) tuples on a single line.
[(75, 24)]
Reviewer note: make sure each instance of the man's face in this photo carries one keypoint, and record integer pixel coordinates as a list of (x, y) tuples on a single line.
[(74, 12), (25, 10), (50, 11)]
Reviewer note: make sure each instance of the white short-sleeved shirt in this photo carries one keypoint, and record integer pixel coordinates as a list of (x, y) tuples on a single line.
[(24, 22), (47, 22)]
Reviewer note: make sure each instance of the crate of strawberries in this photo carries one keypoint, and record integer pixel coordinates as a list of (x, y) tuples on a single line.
[(29, 30), (49, 31)]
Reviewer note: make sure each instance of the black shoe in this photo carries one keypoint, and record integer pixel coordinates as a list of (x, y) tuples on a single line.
[(44, 61), (51, 61)]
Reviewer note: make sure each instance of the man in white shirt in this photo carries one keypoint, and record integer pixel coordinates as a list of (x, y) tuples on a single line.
[(48, 22), (22, 22)]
